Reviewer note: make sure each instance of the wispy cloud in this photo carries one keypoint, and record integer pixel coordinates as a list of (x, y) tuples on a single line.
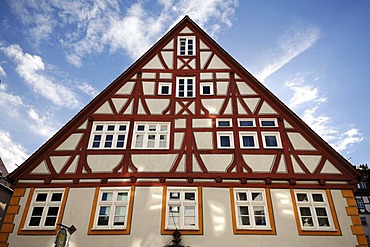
[(31, 69), (44, 126), (11, 153), (295, 41), (100, 25), (2, 71), (87, 89)]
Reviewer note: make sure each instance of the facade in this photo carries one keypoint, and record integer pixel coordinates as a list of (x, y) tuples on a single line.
[(362, 195), (185, 140), (5, 192)]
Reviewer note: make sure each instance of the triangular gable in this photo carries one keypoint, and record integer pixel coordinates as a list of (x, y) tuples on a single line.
[(136, 96)]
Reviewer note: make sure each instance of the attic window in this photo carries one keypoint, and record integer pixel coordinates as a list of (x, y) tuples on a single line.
[(108, 135), (206, 89), (268, 122), (164, 88), (186, 46), (151, 135)]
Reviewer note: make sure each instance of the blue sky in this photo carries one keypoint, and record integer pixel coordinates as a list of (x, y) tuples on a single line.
[(55, 56)]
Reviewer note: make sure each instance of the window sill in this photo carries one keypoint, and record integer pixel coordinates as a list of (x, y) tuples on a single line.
[(38, 232), (108, 232), (269, 231), (183, 231)]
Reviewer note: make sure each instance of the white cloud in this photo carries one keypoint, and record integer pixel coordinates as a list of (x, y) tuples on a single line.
[(42, 126), (11, 153), (295, 41), (87, 89), (32, 69), (2, 71), (348, 139)]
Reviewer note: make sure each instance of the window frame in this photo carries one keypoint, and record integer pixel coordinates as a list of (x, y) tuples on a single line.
[(186, 51), (198, 228), (269, 229), (25, 229), (162, 84), (186, 90), (231, 139), (146, 133), (208, 84), (246, 119), (105, 132), (261, 120), (229, 120), (255, 139), (333, 229), (278, 140), (101, 230)]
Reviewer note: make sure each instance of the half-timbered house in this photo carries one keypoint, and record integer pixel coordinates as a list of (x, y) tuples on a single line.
[(185, 141)]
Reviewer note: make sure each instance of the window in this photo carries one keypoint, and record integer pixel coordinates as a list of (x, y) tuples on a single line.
[(271, 140), (248, 140), (225, 140), (151, 135), (182, 210), (314, 210), (268, 123), (252, 211), (363, 220), (185, 87), (186, 46), (206, 89), (44, 211), (247, 123), (112, 211), (362, 185), (223, 122), (164, 88), (363, 204), (108, 135)]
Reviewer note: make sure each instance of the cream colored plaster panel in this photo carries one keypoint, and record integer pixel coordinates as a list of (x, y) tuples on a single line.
[(259, 163), (245, 89), (148, 75), (153, 163), (59, 162), (267, 109), (148, 88), (299, 142), (128, 111), (296, 167), (41, 169), (155, 63), (222, 88), (70, 143), (103, 163), (288, 125), (83, 126), (241, 109), (222, 75), (237, 76), (217, 63), (196, 167), (157, 106), (169, 45), (202, 45), (165, 75), (329, 168), (229, 109), (205, 76), (179, 63), (311, 162), (252, 103), (282, 165), (180, 123), (104, 109), (186, 30), (216, 162), (140, 108), (212, 105), (118, 103), (168, 58), (24, 181), (73, 166), (204, 140), (179, 137), (181, 166), (202, 123), (127, 88)]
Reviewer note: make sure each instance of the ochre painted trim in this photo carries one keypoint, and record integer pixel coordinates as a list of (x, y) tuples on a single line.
[(92, 231), (22, 231), (271, 231), (352, 211), (165, 231), (8, 225), (336, 232)]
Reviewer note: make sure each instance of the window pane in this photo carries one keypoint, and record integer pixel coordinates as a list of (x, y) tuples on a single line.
[(225, 141), (206, 89), (259, 216), (242, 196), (268, 123), (122, 128), (152, 127), (162, 141), (174, 195), (323, 222), (110, 128), (41, 197), (103, 216), (99, 127), (317, 198), (50, 221), (107, 196), (248, 141), (257, 196), (139, 141), (56, 197), (321, 212), (246, 123), (151, 141), (243, 210), (122, 196), (190, 196), (53, 211), (165, 90), (305, 211), (119, 218), (37, 211), (271, 141), (108, 141), (302, 197), (35, 221), (163, 127), (224, 123), (120, 141), (140, 127), (189, 216)]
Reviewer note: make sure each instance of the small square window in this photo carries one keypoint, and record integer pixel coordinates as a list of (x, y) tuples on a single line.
[(248, 140), (246, 123), (186, 46), (225, 140), (206, 89), (164, 88), (268, 122), (271, 140)]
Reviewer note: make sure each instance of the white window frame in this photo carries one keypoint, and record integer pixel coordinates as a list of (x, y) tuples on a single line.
[(206, 84), (251, 204), (261, 120), (218, 120), (186, 90), (255, 139), (312, 205), (182, 203), (163, 84), (231, 139), (247, 119), (278, 140), (113, 205), (186, 50), (104, 133), (147, 135), (46, 205)]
